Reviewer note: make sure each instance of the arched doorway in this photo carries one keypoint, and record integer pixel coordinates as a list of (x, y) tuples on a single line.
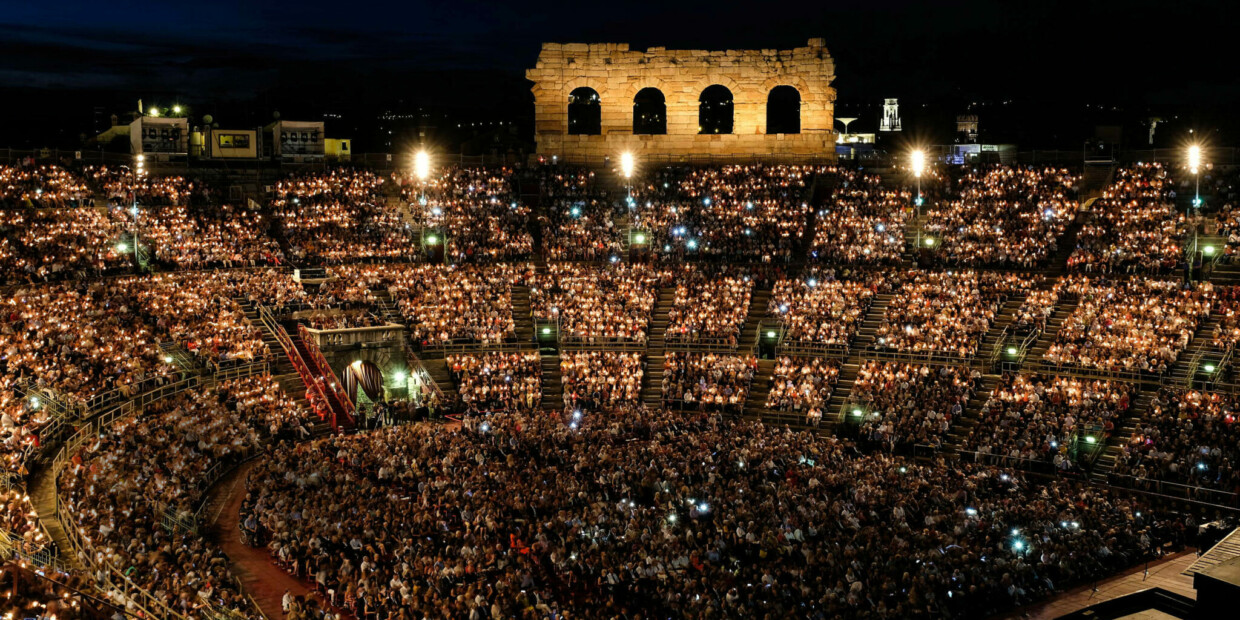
[(649, 112), (783, 110), (715, 110), (585, 112)]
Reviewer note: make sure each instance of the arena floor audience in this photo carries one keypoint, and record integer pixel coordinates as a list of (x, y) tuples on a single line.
[(677, 514)]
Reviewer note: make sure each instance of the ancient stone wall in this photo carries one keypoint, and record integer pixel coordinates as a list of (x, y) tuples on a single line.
[(618, 73)]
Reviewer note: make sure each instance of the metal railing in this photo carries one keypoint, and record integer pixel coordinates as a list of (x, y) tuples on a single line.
[(294, 357), (1075, 370), (925, 357), (1175, 489), (335, 390)]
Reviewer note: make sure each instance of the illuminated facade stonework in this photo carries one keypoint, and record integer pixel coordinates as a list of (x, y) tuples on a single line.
[(603, 82)]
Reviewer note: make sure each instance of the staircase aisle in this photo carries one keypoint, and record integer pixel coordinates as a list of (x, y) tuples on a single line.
[(442, 376), (552, 383), (1033, 359), (757, 311), (652, 382), (658, 325), (962, 427), (522, 315), (1124, 429), (1202, 346), (991, 341), (42, 491), (866, 334)]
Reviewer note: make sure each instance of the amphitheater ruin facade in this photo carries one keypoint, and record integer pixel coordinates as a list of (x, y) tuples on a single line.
[(595, 101)]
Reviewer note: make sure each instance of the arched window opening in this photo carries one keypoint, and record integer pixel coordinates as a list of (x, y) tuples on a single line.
[(783, 110), (585, 112), (649, 112), (715, 110)]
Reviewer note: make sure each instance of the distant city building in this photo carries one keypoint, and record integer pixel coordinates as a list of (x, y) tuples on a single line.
[(339, 148), (156, 135), (891, 115), (296, 140), (978, 153), (232, 143), (966, 125)]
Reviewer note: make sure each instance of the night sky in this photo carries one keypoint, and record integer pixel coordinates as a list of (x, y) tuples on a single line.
[(66, 62)]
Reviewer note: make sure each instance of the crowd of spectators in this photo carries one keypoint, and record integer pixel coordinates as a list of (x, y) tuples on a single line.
[(57, 244), (21, 535), (490, 382), (121, 185), (339, 216), (821, 309), (579, 224), (709, 308), (1137, 325), (346, 319), (42, 187), (803, 385), (1035, 310), (123, 488), (438, 521), (201, 237), (1187, 437), (1033, 418), (946, 312), (600, 380), (455, 303), (679, 515), (478, 210), (611, 303), (707, 381), (1004, 216), (864, 222), (901, 403), (754, 213), (35, 592), (1135, 227)]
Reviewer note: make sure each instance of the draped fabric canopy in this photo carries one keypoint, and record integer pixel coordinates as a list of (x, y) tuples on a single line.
[(366, 376)]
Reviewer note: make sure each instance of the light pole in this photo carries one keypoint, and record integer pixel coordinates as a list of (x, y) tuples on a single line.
[(626, 167), (422, 169), (1194, 166), (918, 160), (141, 172), (134, 210)]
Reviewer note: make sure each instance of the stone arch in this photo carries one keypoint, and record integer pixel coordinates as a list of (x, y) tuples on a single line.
[(796, 82), (382, 357), (585, 112), (639, 85), (716, 110), (649, 112), (783, 110)]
